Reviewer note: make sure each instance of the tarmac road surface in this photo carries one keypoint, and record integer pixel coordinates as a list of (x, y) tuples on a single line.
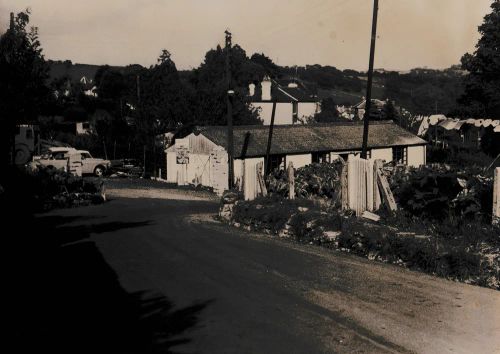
[(155, 275)]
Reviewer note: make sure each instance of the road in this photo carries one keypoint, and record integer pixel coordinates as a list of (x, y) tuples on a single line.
[(157, 275)]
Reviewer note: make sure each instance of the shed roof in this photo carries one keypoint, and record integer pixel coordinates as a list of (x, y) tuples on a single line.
[(297, 139)]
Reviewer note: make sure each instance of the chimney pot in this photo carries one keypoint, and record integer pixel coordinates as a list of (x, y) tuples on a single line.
[(266, 88)]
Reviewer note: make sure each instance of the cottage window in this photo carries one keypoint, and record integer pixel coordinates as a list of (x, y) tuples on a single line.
[(321, 157), (277, 162), (400, 155)]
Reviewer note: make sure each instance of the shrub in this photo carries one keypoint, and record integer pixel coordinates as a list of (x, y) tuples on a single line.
[(314, 180), (271, 213)]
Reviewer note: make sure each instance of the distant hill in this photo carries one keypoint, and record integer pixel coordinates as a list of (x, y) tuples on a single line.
[(421, 90), (59, 69)]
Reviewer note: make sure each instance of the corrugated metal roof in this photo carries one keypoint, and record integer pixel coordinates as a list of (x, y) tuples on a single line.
[(296, 139)]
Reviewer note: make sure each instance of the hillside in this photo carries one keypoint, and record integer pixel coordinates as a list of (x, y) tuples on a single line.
[(421, 91)]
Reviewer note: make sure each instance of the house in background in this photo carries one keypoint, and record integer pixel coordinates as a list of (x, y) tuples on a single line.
[(201, 157), (294, 102), (377, 109), (88, 86)]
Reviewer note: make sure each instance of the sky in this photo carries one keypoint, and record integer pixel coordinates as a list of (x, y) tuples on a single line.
[(411, 33)]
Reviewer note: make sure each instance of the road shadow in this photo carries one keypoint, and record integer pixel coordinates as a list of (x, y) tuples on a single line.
[(65, 298)]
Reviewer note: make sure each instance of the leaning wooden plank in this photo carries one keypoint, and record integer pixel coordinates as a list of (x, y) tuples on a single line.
[(377, 165), (370, 216), (386, 192), (260, 179)]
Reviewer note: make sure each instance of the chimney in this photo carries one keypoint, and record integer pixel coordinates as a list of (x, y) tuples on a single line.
[(11, 21), (251, 89), (266, 88)]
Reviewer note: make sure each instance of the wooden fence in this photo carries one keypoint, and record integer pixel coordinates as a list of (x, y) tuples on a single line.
[(364, 187), (496, 197)]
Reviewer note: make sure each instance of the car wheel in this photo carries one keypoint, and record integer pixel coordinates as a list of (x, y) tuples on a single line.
[(99, 171)]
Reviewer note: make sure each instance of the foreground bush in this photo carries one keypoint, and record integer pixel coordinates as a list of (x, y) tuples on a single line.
[(459, 249), (51, 188)]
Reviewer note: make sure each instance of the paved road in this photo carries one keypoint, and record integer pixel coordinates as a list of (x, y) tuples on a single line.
[(145, 275)]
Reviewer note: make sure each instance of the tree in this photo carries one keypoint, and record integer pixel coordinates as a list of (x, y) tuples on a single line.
[(210, 88), (267, 64), (482, 84), (389, 112), (23, 73), (328, 113)]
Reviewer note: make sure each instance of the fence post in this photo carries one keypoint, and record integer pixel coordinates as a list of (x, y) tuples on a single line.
[(496, 197), (291, 180), (345, 189)]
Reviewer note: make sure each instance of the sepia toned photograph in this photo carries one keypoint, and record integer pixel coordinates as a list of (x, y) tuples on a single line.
[(250, 176)]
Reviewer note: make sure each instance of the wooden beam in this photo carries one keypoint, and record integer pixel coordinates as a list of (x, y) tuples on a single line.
[(260, 179), (496, 198), (387, 196)]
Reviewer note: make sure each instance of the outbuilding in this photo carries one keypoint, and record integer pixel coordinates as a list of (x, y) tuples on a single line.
[(201, 157)]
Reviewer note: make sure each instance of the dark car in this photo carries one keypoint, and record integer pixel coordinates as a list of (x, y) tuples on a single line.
[(127, 167)]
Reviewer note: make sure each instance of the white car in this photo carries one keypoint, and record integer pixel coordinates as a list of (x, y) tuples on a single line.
[(57, 157), (93, 165)]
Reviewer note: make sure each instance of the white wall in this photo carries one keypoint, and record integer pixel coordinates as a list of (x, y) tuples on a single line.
[(416, 155), (171, 166), (283, 115), (299, 160), (306, 109), (382, 154)]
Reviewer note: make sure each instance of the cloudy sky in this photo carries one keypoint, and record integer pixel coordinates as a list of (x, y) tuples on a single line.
[(411, 33)]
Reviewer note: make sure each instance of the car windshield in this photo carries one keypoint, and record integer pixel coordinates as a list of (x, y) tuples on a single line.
[(86, 155)]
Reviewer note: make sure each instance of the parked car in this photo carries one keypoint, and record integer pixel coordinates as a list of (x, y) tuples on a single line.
[(57, 157), (127, 167), (93, 165)]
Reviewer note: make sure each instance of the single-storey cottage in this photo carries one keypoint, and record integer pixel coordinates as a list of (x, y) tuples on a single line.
[(201, 157)]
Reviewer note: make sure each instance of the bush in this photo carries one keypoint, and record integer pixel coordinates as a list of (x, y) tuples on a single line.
[(437, 192), (314, 180), (271, 213), (47, 188)]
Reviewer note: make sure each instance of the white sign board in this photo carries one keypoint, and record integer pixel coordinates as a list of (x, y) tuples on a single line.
[(182, 154)]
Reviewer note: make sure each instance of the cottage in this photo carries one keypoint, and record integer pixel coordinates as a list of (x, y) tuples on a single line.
[(294, 102), (201, 157)]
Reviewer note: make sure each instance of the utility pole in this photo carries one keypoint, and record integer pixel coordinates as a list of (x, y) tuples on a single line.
[(267, 168), (370, 80), (229, 95), (12, 26)]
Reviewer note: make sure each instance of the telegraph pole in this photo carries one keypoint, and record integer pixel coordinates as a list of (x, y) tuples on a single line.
[(370, 80), (229, 95)]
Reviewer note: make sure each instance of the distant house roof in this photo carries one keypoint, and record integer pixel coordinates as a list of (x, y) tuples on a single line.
[(377, 103), (297, 139)]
